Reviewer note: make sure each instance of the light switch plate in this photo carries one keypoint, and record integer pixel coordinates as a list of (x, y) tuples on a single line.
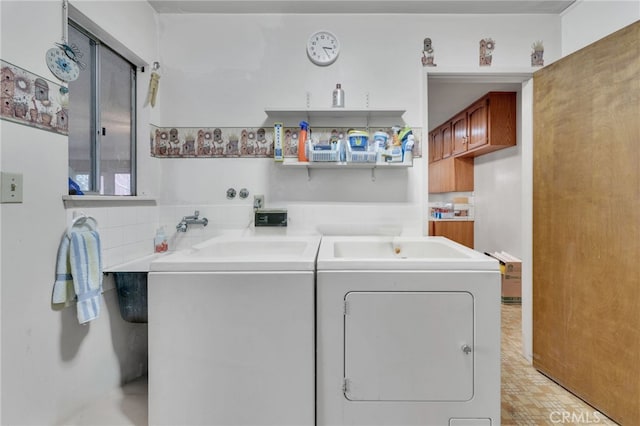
[(10, 187)]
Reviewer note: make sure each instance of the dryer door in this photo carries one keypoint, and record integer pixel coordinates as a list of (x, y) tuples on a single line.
[(408, 346)]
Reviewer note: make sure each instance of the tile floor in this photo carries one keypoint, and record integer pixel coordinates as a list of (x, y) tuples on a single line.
[(528, 397)]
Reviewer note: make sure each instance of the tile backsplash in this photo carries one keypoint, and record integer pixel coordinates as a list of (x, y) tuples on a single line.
[(126, 232)]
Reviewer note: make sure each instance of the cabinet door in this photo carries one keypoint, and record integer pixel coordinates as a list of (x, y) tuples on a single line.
[(478, 124), (458, 231), (408, 346), (459, 133), (432, 146), (447, 140), (437, 145)]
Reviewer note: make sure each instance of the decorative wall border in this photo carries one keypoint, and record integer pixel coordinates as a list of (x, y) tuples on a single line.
[(238, 142), (33, 100)]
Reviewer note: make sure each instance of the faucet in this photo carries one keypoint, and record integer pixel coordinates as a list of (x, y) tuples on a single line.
[(191, 220)]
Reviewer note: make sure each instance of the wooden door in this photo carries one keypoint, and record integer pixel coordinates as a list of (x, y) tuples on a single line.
[(478, 123), (459, 133), (586, 224)]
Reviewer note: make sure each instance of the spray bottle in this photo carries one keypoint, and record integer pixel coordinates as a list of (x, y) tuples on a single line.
[(302, 142)]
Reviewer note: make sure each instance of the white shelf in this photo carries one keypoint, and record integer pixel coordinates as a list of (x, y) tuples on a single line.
[(295, 164), (334, 113)]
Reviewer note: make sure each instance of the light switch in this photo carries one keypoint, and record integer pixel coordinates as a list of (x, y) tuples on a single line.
[(10, 187)]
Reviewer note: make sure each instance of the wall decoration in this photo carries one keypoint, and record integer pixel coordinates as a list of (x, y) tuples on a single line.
[(486, 50), (32, 100), (537, 56), (427, 54), (244, 142)]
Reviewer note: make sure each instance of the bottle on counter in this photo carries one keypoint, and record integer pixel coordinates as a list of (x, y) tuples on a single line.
[(338, 97), (160, 241)]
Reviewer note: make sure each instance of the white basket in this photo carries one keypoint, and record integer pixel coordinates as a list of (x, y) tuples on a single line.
[(324, 155), (361, 156)]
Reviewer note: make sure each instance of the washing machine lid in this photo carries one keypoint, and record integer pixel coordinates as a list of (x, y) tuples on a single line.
[(408, 346), (400, 253)]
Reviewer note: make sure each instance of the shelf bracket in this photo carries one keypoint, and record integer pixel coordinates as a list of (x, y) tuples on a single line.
[(373, 174), (308, 173)]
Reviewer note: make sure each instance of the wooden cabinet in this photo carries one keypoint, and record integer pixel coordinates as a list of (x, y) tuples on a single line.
[(459, 129), (491, 123), (447, 140), (485, 126), (451, 175), (460, 231), (440, 143)]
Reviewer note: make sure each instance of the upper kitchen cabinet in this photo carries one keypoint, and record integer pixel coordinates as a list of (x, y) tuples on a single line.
[(486, 125), (440, 143), (491, 123), (459, 132)]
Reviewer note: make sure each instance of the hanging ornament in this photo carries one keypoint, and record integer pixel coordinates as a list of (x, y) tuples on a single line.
[(154, 81)]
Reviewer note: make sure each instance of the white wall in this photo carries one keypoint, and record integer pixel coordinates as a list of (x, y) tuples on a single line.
[(51, 365), (587, 21), (210, 81)]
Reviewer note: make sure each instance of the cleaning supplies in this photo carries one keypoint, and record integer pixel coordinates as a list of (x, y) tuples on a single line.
[(302, 142), (338, 97), (160, 241)]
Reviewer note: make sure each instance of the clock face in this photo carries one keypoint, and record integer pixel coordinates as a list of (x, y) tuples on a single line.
[(323, 48), (61, 65)]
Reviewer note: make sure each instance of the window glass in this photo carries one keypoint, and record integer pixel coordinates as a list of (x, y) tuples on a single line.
[(102, 119)]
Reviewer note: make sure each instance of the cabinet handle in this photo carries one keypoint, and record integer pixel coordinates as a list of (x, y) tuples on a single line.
[(466, 349)]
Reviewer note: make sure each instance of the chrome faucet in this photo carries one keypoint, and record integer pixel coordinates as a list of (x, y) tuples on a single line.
[(191, 220)]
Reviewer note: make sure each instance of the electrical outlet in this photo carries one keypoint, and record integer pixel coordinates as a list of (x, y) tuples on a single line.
[(258, 201), (10, 187)]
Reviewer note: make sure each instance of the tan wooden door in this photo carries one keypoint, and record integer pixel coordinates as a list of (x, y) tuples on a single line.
[(586, 224)]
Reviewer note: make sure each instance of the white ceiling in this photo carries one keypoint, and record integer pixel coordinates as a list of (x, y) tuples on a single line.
[(361, 6)]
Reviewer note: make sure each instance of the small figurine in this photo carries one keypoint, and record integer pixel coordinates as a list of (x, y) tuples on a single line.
[(427, 54), (537, 56), (486, 50)]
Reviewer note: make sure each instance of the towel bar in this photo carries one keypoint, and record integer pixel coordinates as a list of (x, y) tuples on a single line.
[(82, 220)]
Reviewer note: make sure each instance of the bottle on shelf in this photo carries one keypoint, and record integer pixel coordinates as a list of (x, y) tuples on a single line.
[(338, 97)]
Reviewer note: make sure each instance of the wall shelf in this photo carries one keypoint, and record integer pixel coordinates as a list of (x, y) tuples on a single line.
[(337, 116), (294, 164)]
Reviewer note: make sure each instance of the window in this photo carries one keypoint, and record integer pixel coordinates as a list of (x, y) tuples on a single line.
[(102, 119)]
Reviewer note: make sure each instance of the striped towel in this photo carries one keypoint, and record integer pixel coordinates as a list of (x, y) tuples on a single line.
[(79, 274), (63, 291)]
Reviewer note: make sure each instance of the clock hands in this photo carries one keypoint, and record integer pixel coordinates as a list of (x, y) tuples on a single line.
[(327, 50)]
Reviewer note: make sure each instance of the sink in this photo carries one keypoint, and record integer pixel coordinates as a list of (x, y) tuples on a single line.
[(384, 252), (253, 253)]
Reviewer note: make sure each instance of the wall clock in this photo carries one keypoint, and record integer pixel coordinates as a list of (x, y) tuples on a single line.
[(61, 65), (323, 48)]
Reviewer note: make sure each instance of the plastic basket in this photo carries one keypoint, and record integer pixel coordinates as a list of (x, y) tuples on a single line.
[(325, 154), (361, 156)]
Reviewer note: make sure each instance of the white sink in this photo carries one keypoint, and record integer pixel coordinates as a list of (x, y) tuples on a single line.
[(399, 253), (254, 253)]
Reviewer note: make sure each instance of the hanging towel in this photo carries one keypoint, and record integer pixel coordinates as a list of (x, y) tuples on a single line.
[(63, 291), (86, 269)]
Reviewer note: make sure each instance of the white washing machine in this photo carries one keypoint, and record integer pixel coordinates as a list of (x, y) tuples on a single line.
[(231, 333), (408, 333)]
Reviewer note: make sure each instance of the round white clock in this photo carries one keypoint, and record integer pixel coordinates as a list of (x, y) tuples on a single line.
[(61, 65), (323, 48)]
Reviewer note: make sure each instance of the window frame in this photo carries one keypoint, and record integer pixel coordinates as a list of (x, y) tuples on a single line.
[(97, 131)]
